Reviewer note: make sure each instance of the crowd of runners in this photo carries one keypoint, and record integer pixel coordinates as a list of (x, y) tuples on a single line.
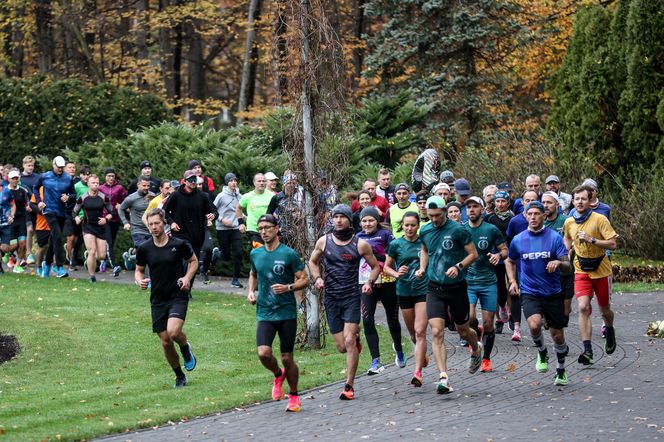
[(434, 255)]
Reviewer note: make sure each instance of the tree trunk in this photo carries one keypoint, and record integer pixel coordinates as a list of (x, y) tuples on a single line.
[(195, 66), (248, 81), (170, 54), (141, 33), (280, 63), (358, 52), (44, 35)]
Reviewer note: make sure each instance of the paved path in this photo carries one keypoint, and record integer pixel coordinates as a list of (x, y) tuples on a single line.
[(621, 397)]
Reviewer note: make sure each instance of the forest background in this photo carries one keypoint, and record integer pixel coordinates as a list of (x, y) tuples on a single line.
[(501, 88)]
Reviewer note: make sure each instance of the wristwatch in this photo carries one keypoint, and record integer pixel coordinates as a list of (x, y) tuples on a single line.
[(290, 287), (459, 266), (593, 240)]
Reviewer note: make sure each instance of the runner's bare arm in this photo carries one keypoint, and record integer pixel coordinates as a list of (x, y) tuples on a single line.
[(139, 277), (252, 286), (424, 261), (314, 260), (510, 267)]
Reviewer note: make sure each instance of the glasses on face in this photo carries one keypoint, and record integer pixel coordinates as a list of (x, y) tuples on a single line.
[(191, 180), (270, 227)]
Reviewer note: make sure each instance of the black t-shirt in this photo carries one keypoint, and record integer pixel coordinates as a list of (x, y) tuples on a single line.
[(167, 265), (20, 199)]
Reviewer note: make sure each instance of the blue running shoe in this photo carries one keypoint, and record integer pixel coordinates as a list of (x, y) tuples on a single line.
[(46, 270), (61, 272), (39, 272), (189, 359)]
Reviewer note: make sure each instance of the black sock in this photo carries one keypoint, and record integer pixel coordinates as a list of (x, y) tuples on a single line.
[(293, 393), (587, 346), (348, 387), (184, 349), (281, 372), (489, 339), (178, 372), (544, 352)]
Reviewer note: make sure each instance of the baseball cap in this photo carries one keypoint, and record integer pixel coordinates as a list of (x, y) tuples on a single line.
[(535, 205), (14, 174), (271, 176), (422, 197), (175, 184), (439, 186), (591, 183), (145, 163), (59, 161), (504, 185), (402, 186), (435, 202), (552, 179), (447, 176), (267, 218), (193, 163), (199, 180), (188, 174), (462, 187), (476, 199)]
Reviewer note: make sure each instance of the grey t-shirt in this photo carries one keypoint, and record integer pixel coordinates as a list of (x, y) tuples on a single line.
[(137, 204)]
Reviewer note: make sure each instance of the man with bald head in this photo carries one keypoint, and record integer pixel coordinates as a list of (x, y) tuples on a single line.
[(534, 183)]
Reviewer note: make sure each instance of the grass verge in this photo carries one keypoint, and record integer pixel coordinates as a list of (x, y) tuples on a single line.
[(90, 366), (637, 287)]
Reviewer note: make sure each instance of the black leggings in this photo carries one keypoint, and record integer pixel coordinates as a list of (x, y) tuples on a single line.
[(112, 228), (206, 253), (387, 294), (230, 243), (502, 284), (55, 223)]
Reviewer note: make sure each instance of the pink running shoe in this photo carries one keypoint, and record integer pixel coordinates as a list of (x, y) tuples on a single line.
[(277, 389), (294, 403)]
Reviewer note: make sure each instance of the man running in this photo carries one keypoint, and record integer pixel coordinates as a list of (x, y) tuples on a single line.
[(228, 225), (276, 272), (481, 277), (447, 251), (288, 207), (377, 201), (534, 183), (208, 184), (588, 235), (7, 214), (462, 191), (272, 181), (21, 217), (540, 255), (255, 203), (385, 188), (137, 203), (28, 180), (403, 205), (170, 289), (341, 252), (146, 171), (553, 185), (58, 189)]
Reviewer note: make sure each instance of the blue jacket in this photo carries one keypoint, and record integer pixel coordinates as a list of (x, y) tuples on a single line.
[(54, 186)]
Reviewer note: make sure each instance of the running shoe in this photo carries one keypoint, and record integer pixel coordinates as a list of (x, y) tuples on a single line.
[(486, 366), (206, 279), (586, 358), (376, 367), (416, 380), (277, 386), (516, 336), (102, 266), (116, 271), (542, 364), (294, 403), (31, 259), (603, 330), (510, 323), (5, 258), (504, 315), (93, 279), (11, 262), (560, 378), (609, 344), (499, 327), (72, 264), (39, 272), (347, 394), (61, 272), (19, 269), (180, 382), (475, 360), (46, 270), (189, 359), (463, 342), (236, 283), (400, 358), (216, 254), (443, 386)]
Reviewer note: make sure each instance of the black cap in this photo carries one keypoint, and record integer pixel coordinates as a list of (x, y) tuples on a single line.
[(193, 163), (504, 185), (267, 218), (109, 170), (145, 163), (402, 186)]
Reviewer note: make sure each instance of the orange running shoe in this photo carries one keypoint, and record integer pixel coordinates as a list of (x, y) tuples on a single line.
[(417, 379), (294, 403), (486, 366), (277, 389), (348, 394)]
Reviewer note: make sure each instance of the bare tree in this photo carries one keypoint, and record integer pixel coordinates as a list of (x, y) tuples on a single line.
[(248, 80)]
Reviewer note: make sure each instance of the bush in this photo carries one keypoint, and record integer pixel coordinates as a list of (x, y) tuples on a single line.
[(43, 116)]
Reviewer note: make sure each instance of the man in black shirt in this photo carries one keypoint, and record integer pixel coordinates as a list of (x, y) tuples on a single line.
[(170, 286)]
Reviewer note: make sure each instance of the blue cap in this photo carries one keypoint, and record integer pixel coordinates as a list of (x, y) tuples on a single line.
[(436, 202), (502, 195), (535, 205)]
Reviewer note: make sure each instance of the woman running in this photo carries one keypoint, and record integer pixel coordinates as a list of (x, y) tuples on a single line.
[(94, 220), (384, 291), (402, 261), (454, 211)]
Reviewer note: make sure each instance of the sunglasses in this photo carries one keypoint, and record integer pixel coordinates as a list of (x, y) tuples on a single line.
[(191, 179)]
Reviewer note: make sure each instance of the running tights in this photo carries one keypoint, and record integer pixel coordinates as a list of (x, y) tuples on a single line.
[(387, 295)]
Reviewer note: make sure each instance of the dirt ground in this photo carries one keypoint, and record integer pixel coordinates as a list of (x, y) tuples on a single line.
[(9, 347)]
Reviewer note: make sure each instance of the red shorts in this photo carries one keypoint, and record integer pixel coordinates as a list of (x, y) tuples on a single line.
[(584, 286)]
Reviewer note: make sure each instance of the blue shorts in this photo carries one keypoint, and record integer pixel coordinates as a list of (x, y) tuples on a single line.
[(486, 294), (140, 238), (342, 311), (6, 234)]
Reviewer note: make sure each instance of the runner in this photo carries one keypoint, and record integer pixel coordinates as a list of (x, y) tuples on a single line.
[(42, 234), (116, 195), (255, 203), (75, 241), (462, 192), (376, 200), (276, 272), (272, 181), (443, 190), (207, 184), (540, 254), (341, 251), (402, 261), (7, 213), (385, 188), (534, 183), (170, 289), (137, 203), (595, 204), (454, 211), (421, 201), (565, 199), (58, 189), (28, 180), (589, 235), (146, 171), (481, 277), (92, 205), (364, 199), (488, 195), (447, 251), (500, 218), (19, 225), (228, 225), (384, 291), (403, 205), (288, 207)]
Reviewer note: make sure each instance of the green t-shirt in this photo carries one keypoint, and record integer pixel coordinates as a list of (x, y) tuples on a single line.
[(557, 224), (446, 247), (407, 253), (80, 188), (396, 215), (486, 238), (276, 267), (256, 206)]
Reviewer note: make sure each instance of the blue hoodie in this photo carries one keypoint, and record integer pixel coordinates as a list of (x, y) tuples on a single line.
[(54, 186)]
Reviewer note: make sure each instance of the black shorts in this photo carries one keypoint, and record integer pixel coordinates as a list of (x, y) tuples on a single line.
[(254, 238), (551, 307), (453, 297), (174, 308), (70, 227), (267, 330), (406, 302), (20, 229), (98, 231), (42, 237), (567, 285), (342, 311)]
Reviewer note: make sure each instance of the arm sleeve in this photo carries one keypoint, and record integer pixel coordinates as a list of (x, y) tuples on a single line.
[(107, 204), (185, 250), (274, 203), (121, 213), (606, 229), (78, 205), (35, 189)]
